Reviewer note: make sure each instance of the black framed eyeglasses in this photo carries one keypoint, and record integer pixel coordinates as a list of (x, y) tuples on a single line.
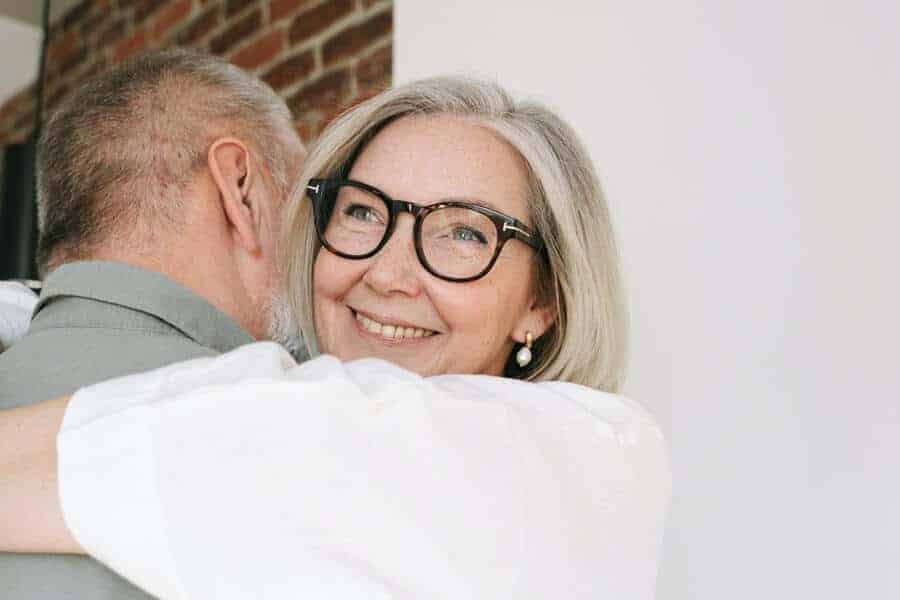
[(455, 241)]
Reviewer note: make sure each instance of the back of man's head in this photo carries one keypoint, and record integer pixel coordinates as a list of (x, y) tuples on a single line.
[(115, 159)]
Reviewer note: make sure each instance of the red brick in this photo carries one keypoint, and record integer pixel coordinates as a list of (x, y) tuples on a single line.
[(145, 8), (357, 55), (25, 119), (201, 25), (350, 41), (53, 80), (76, 14), (56, 29), (308, 23), (6, 122), (92, 69), (65, 53), (171, 16), (54, 98), (261, 51), (311, 126), (92, 22), (130, 46), (309, 130), (326, 94), (22, 97), (9, 108), (112, 33), (236, 33), (233, 7), (71, 61), (6, 114), (27, 94), (62, 48), (279, 9), (373, 73), (291, 70), (17, 137)]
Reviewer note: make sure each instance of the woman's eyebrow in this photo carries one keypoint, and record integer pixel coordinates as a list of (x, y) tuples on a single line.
[(475, 201)]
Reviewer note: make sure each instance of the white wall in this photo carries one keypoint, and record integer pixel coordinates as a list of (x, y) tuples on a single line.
[(750, 155), (20, 47)]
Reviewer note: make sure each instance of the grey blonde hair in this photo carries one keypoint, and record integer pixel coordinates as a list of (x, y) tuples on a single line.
[(579, 273), (116, 156)]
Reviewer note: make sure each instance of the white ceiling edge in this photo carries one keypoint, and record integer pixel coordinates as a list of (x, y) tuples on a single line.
[(20, 47)]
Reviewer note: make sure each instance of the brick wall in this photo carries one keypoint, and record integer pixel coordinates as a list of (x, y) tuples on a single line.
[(321, 56)]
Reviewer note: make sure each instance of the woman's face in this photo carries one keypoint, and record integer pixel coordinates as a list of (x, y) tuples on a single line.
[(467, 327)]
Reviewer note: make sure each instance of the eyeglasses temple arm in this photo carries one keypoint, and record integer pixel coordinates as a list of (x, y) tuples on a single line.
[(523, 236)]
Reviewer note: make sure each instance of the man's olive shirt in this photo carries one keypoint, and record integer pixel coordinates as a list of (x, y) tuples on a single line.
[(96, 321)]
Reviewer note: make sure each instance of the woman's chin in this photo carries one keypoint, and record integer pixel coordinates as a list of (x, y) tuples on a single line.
[(418, 362)]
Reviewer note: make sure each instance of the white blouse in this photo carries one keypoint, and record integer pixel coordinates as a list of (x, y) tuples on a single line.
[(247, 476)]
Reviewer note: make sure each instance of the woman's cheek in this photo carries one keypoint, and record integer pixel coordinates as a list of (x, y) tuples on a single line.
[(471, 311), (330, 285)]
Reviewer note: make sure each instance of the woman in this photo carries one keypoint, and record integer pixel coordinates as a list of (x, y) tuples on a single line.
[(444, 228)]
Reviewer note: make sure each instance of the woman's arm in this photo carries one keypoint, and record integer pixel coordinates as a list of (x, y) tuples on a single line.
[(32, 519), (244, 475), (31, 514)]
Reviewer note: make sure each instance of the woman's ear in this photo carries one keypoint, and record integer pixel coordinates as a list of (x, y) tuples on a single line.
[(536, 320), (231, 168)]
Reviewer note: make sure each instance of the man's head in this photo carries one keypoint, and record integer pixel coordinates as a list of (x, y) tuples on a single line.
[(176, 161)]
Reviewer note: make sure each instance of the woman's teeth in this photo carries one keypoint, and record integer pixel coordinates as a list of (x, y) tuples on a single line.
[(392, 332)]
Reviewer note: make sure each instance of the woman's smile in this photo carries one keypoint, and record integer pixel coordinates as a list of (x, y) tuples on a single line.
[(389, 330)]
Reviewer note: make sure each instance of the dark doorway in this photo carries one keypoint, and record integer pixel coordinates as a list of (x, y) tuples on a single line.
[(18, 215)]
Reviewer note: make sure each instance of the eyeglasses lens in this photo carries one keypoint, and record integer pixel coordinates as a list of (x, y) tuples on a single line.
[(355, 220), (456, 242)]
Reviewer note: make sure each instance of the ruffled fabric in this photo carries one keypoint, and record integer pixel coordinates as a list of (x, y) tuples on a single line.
[(247, 476)]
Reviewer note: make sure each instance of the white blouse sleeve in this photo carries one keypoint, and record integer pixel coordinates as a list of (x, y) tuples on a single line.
[(17, 302), (246, 476)]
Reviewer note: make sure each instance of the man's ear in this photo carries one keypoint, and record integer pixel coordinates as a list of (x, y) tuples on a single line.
[(232, 171)]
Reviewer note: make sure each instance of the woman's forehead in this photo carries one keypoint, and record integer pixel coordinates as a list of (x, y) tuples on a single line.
[(426, 159)]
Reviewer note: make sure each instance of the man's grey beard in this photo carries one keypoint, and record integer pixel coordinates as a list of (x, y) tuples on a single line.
[(283, 326)]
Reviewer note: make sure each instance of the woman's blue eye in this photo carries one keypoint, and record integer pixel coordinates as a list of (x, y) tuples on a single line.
[(363, 213), (466, 234)]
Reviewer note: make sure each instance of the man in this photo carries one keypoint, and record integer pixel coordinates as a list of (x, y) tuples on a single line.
[(160, 185)]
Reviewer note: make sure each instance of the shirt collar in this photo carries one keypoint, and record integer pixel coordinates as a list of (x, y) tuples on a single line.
[(148, 292)]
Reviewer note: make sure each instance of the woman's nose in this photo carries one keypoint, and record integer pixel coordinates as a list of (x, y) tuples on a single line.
[(396, 269)]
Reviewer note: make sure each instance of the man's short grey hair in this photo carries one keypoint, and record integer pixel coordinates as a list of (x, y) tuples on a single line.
[(114, 159), (578, 272)]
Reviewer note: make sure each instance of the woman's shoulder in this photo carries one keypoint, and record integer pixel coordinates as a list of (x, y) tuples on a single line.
[(610, 406), (631, 423), (553, 399)]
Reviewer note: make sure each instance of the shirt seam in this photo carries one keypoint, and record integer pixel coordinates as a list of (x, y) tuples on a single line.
[(178, 334)]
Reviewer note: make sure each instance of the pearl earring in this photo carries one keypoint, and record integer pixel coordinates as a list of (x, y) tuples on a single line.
[(523, 356)]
